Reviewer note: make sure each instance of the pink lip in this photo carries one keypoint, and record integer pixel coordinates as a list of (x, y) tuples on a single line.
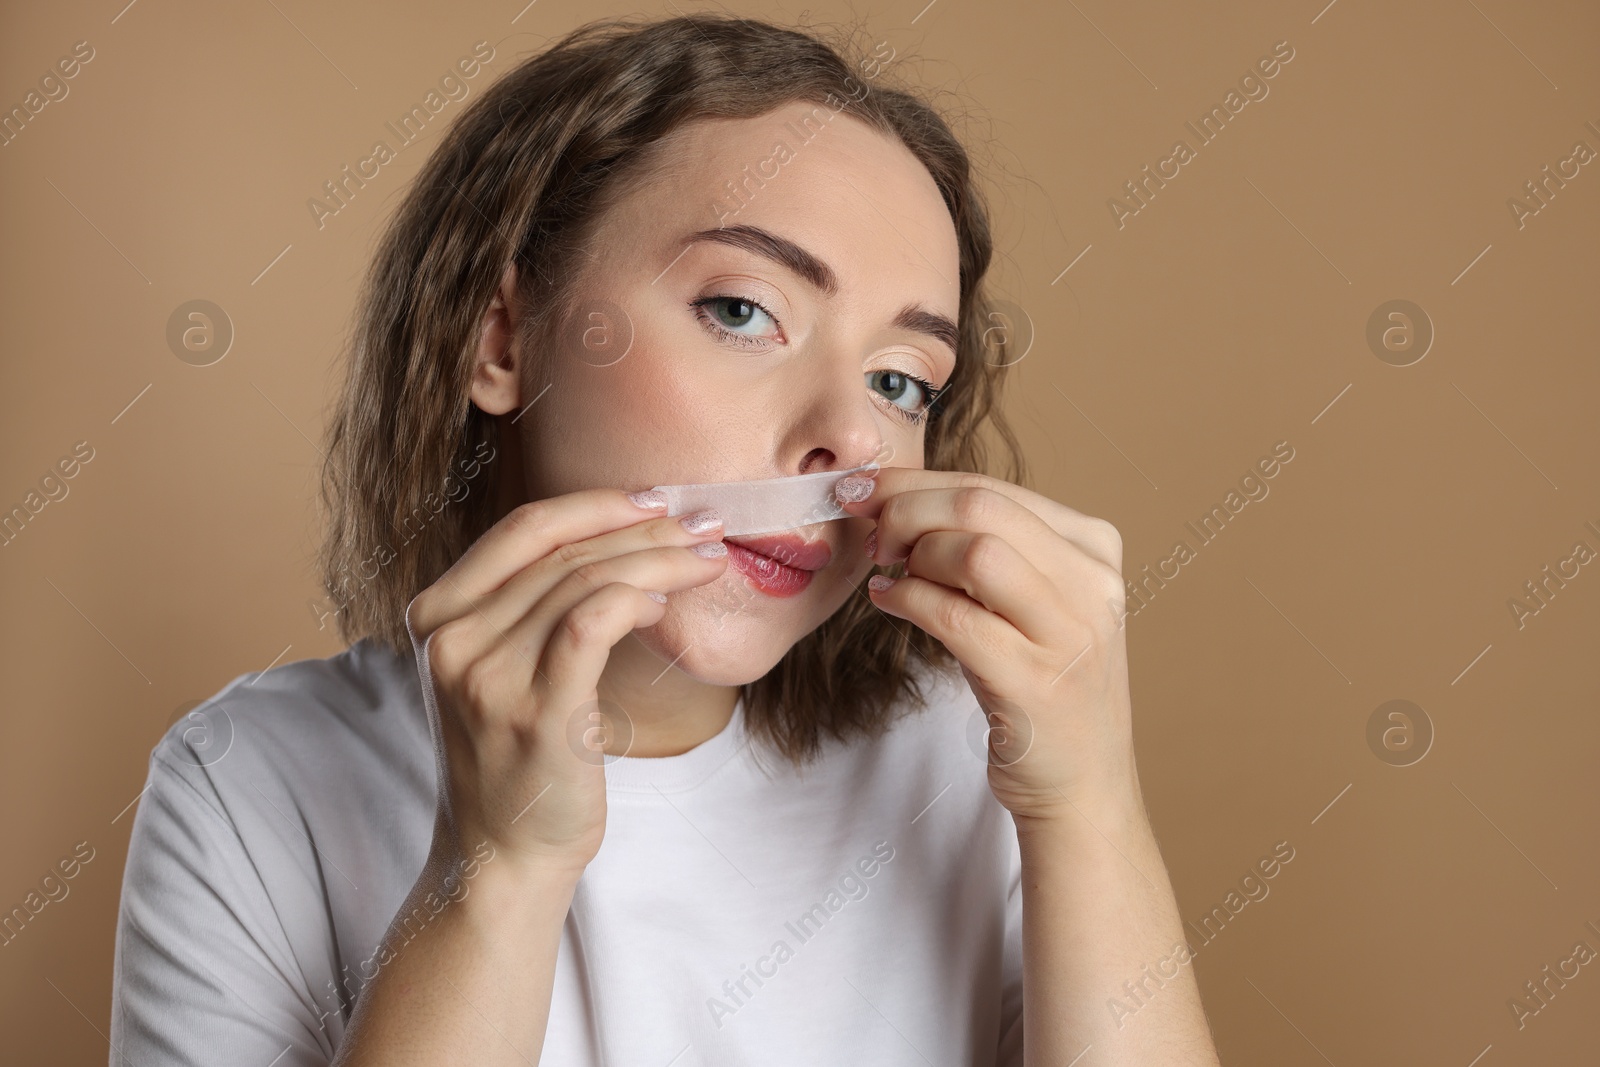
[(787, 549)]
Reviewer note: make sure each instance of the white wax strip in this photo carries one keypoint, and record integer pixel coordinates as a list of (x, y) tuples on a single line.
[(763, 506)]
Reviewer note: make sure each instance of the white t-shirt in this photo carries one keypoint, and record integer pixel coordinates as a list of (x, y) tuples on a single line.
[(865, 910)]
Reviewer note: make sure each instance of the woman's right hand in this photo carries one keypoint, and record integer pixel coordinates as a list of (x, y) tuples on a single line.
[(514, 637)]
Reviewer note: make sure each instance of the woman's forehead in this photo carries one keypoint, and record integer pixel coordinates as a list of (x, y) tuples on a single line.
[(854, 196)]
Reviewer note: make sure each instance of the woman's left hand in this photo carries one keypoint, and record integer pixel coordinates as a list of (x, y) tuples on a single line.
[(1028, 595)]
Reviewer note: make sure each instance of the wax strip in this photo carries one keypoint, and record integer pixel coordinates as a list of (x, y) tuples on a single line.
[(765, 505)]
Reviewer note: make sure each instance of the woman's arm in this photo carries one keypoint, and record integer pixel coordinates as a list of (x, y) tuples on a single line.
[(474, 985), (1105, 975), (510, 645), (1028, 595)]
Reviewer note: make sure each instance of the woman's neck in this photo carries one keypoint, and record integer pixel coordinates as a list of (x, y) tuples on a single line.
[(653, 709)]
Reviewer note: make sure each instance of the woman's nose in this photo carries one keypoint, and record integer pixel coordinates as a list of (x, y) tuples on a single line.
[(834, 424), (843, 445)]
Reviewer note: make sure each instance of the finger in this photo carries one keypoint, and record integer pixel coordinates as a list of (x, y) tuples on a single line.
[(498, 681), (528, 532), (909, 515), (664, 570), (992, 572), (503, 606), (969, 630), (1095, 536), (579, 648)]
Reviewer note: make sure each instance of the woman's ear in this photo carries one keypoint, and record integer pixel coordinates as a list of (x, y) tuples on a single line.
[(497, 371)]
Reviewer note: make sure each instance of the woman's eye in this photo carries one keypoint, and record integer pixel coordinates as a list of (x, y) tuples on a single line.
[(895, 386), (736, 318)]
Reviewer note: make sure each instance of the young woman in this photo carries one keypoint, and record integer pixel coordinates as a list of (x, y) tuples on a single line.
[(594, 785)]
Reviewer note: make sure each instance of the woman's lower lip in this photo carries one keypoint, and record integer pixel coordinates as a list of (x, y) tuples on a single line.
[(767, 574)]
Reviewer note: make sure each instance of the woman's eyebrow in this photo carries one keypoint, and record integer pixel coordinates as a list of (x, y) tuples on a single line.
[(786, 253), (918, 319)]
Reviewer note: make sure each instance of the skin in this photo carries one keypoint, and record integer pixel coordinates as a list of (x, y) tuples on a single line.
[(1025, 591)]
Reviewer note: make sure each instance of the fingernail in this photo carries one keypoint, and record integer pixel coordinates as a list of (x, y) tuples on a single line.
[(853, 489), (701, 522), (879, 582), (659, 598), (710, 549), (649, 499), (872, 543)]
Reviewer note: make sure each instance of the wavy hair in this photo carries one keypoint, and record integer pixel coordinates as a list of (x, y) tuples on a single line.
[(522, 177)]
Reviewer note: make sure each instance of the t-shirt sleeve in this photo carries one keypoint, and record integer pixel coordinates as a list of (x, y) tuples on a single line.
[(204, 973), (1010, 1052)]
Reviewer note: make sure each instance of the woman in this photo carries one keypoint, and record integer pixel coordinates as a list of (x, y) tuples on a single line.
[(595, 785)]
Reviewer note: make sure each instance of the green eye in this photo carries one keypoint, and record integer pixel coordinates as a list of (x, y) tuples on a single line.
[(730, 317), (894, 385)]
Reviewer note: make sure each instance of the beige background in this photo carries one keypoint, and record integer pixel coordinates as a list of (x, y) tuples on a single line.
[(1229, 314)]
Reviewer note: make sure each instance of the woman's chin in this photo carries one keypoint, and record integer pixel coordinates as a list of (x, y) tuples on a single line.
[(718, 648)]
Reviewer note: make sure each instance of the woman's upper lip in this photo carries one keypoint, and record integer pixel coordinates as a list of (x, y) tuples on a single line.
[(788, 549)]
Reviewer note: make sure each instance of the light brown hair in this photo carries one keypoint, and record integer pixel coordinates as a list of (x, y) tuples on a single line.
[(522, 176)]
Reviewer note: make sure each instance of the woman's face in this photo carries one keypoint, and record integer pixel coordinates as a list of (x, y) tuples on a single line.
[(758, 309)]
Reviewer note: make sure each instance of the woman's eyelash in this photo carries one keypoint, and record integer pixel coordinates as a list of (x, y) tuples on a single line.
[(931, 394)]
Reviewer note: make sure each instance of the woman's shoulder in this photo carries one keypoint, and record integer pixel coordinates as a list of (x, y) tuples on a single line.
[(294, 724), (292, 807)]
